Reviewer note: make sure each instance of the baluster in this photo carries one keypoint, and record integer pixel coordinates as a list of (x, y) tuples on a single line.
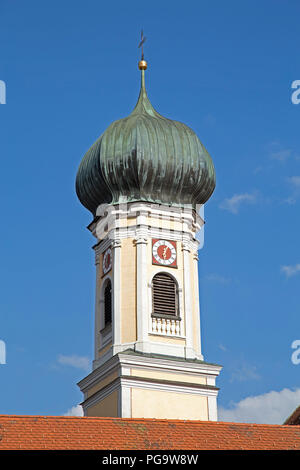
[(154, 325), (163, 324)]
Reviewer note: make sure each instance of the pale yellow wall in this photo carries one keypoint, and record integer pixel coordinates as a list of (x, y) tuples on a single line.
[(102, 384), (128, 291), (163, 223), (152, 374), (170, 405), (107, 407), (130, 222), (128, 284)]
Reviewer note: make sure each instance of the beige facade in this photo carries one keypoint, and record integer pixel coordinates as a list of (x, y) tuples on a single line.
[(140, 386), (128, 291), (150, 403), (170, 225), (166, 377)]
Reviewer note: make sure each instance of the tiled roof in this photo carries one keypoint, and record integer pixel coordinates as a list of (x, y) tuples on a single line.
[(50, 432)]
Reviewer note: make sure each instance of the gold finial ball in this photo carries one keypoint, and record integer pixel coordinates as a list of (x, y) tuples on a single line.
[(142, 65)]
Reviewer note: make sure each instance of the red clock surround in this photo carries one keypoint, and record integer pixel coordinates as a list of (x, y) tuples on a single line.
[(164, 252), (107, 261)]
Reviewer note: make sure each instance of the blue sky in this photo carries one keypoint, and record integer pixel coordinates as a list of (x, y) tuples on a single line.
[(223, 68)]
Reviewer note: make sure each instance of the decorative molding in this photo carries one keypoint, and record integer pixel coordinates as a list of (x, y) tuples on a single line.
[(124, 362), (146, 231), (116, 244), (162, 363), (110, 216), (169, 386), (185, 246), (141, 241)]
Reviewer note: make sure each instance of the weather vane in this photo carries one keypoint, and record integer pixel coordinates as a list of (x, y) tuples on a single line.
[(142, 62)]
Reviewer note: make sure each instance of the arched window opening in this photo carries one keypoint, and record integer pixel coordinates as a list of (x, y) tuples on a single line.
[(165, 295), (107, 303)]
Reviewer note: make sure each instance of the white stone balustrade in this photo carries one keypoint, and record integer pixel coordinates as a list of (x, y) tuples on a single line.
[(166, 327)]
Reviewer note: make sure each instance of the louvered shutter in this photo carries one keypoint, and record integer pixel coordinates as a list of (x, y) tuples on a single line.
[(164, 291), (107, 303)]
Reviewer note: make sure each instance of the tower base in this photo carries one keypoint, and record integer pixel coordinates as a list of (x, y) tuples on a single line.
[(140, 385)]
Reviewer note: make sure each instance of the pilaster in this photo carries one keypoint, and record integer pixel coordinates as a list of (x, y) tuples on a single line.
[(189, 350), (117, 294), (197, 306), (141, 293)]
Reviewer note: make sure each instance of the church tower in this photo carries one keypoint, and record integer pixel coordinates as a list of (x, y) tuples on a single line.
[(144, 181)]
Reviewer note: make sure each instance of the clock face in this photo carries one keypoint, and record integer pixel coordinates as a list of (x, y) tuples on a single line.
[(164, 253), (107, 261)]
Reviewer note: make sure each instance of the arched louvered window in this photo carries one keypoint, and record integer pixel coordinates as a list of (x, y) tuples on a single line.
[(165, 295), (107, 303)]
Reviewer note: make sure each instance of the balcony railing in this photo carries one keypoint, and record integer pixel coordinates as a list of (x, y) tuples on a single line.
[(166, 326)]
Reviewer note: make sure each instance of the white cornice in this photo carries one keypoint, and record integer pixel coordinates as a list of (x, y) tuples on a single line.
[(138, 232), (121, 361), (109, 217), (171, 365), (169, 386), (151, 384)]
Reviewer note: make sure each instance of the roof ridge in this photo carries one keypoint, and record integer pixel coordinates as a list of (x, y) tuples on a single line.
[(179, 421)]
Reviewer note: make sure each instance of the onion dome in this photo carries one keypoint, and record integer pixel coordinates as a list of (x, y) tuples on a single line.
[(145, 157)]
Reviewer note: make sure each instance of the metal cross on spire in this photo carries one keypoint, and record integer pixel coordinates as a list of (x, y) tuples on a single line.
[(141, 44)]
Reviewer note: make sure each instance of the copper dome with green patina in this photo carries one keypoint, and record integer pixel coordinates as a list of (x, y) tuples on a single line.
[(145, 157)]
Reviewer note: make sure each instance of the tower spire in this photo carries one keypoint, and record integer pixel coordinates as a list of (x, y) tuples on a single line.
[(143, 104)]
